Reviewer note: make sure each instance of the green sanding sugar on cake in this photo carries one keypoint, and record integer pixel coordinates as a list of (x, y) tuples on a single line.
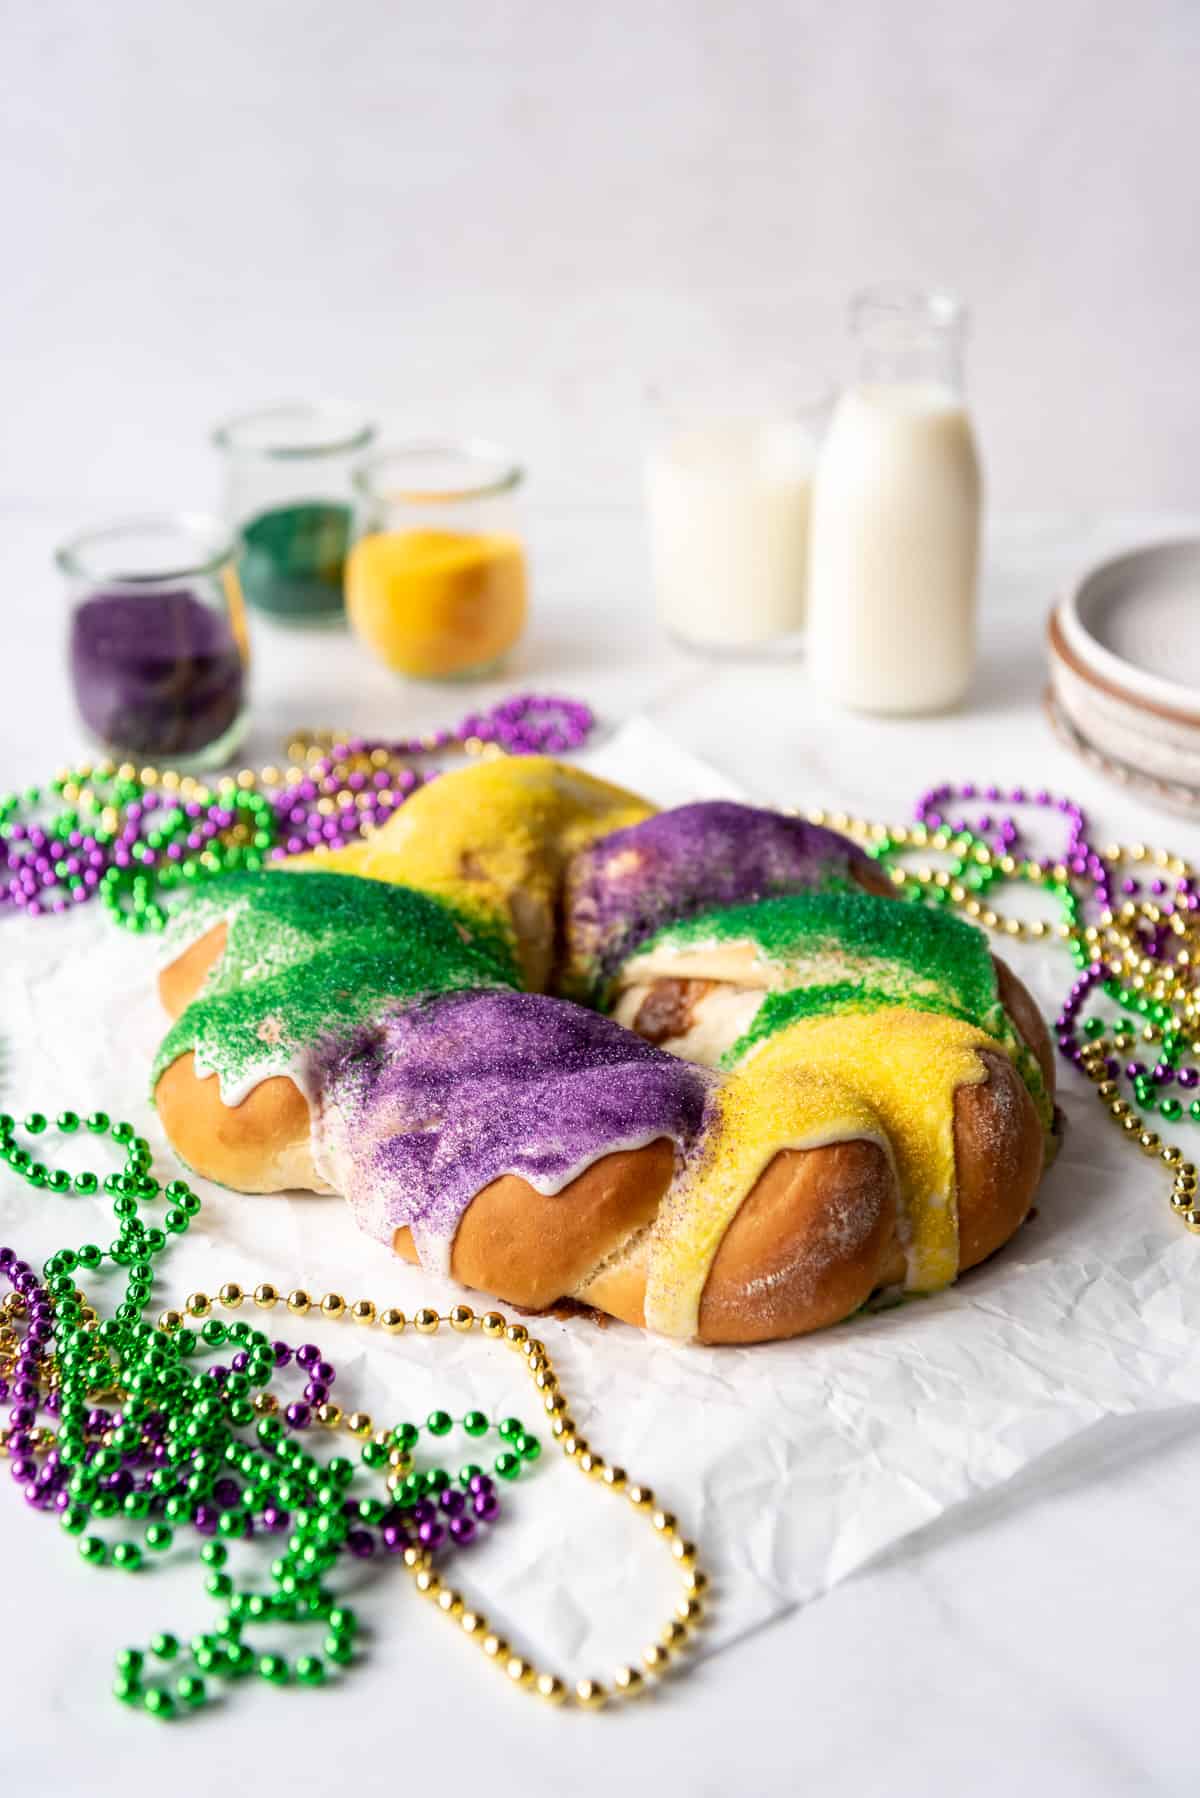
[(780, 1009), (308, 953), (931, 952), (855, 951), (277, 921)]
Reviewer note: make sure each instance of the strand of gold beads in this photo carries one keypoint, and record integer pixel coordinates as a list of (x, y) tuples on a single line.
[(658, 1656), (1112, 940), (305, 748), (308, 746), (1185, 1179), (954, 890)]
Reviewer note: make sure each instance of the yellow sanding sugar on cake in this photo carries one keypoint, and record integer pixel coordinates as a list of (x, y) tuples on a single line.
[(756, 1114), (912, 1064), (493, 838)]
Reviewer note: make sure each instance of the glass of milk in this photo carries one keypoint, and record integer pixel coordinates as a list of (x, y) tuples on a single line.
[(896, 514), (728, 485)]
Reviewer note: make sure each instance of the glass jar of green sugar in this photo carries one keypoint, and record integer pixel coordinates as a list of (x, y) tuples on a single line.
[(288, 483)]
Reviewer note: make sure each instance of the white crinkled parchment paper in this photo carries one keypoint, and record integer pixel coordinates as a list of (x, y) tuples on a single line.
[(791, 1464)]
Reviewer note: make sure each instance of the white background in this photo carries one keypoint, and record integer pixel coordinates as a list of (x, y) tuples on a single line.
[(505, 217)]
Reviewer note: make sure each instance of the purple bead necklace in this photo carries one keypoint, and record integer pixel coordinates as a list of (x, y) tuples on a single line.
[(1140, 950), (218, 1450), (212, 1448), (130, 835)]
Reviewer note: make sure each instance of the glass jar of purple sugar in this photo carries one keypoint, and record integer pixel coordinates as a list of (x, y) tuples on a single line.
[(157, 641)]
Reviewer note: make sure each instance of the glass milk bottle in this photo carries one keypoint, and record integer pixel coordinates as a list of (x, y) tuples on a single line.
[(895, 519)]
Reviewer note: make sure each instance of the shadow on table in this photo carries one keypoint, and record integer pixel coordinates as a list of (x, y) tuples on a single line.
[(1010, 678), (560, 640)]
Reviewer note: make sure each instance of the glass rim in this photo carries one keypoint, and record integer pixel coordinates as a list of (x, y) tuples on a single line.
[(343, 438), (934, 308), (506, 476), (215, 544)]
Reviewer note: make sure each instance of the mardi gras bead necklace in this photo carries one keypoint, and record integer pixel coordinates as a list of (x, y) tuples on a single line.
[(659, 1655), (215, 1449), (131, 834), (176, 1451), (1142, 954)]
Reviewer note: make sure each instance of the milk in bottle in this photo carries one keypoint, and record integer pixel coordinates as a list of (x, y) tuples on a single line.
[(895, 516)]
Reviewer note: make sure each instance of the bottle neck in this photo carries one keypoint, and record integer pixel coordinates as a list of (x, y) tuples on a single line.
[(910, 338)]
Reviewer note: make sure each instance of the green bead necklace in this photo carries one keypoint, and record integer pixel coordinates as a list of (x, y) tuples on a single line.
[(1140, 953), (205, 1446), (210, 1450)]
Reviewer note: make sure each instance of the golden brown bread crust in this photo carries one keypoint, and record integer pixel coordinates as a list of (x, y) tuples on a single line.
[(261, 1145), (873, 879), (813, 1239), (804, 1250), (999, 1147), (806, 1246), (532, 1248), (1031, 1026), (774, 1274), (790, 1262)]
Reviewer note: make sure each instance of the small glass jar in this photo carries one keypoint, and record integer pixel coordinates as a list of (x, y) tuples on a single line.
[(157, 643), (436, 582), (728, 483), (288, 492)]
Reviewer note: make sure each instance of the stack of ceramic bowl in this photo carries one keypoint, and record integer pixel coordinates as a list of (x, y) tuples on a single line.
[(1125, 671)]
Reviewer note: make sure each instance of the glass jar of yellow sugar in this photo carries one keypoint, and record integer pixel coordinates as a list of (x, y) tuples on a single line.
[(436, 582)]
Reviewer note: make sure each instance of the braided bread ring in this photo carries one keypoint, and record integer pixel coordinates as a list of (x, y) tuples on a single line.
[(763, 1202)]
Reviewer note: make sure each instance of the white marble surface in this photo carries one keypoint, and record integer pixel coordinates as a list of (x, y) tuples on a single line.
[(1041, 1636)]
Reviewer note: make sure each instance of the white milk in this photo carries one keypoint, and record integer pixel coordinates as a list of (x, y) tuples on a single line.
[(895, 541), (728, 509)]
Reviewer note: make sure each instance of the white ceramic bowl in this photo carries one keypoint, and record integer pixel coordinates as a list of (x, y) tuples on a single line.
[(1125, 662)]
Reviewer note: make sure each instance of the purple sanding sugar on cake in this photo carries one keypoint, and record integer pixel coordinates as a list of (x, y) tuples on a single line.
[(437, 1100), (624, 887)]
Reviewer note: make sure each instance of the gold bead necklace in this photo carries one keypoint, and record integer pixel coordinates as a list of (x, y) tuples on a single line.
[(1113, 941), (628, 1681)]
